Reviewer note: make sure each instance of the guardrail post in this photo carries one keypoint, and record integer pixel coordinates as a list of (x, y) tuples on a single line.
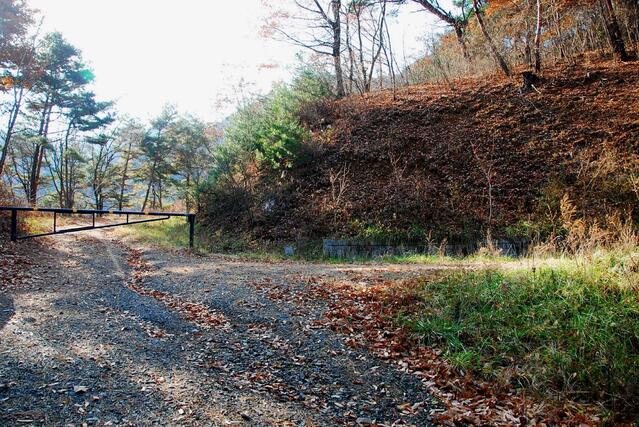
[(14, 225), (191, 219)]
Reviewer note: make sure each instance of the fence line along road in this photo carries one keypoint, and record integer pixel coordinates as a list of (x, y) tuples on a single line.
[(93, 212)]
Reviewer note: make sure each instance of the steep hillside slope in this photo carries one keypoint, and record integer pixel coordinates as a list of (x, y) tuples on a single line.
[(452, 160)]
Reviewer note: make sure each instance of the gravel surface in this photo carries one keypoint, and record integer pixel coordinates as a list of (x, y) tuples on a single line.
[(98, 332)]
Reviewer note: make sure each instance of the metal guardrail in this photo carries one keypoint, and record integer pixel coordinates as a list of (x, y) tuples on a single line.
[(93, 212)]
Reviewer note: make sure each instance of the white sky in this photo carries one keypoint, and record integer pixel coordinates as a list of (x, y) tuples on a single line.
[(146, 53)]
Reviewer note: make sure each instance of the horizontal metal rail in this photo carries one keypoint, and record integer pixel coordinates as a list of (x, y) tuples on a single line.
[(93, 212)]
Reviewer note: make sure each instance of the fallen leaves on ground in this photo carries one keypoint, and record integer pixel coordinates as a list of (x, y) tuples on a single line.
[(193, 312), (13, 267), (365, 315)]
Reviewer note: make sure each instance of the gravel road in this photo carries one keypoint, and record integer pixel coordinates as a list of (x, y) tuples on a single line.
[(94, 331)]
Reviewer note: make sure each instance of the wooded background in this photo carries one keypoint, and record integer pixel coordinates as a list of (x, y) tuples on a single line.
[(61, 146)]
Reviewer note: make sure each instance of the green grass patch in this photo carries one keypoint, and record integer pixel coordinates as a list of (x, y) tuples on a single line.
[(172, 233), (36, 224), (572, 329), (445, 259)]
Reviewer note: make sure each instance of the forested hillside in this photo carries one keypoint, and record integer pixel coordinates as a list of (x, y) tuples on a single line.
[(518, 114), (453, 161), (512, 107)]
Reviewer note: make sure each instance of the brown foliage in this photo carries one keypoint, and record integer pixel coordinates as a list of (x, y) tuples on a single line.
[(566, 30), (420, 156)]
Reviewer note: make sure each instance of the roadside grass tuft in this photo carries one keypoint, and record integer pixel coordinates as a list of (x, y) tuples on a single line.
[(172, 233), (35, 223), (572, 329), (446, 259)]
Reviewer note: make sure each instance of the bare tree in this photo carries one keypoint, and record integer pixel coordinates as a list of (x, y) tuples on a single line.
[(368, 41), (101, 164), (391, 61), (131, 137), (63, 163), (538, 39), (486, 164), (491, 44), (631, 13), (457, 22), (21, 157), (614, 31), (321, 32)]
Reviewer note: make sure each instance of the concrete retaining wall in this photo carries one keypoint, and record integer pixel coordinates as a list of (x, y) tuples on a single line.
[(356, 249)]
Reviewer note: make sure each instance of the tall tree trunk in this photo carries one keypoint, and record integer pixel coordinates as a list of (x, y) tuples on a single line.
[(528, 49), (351, 59), (35, 174), (388, 53), (67, 171), (71, 183), (558, 31), (365, 84), (187, 195), (493, 48), (13, 118), (632, 8), (148, 188), (33, 188), (336, 5), (528, 55), (97, 180), (38, 154), (97, 196), (459, 33), (64, 173), (339, 77), (124, 176), (62, 196), (614, 31), (375, 57), (538, 39), (146, 196)]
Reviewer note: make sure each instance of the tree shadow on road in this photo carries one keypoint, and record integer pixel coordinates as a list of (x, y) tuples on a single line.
[(7, 310)]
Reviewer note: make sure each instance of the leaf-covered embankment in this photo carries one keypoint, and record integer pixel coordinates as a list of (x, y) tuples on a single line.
[(450, 161)]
